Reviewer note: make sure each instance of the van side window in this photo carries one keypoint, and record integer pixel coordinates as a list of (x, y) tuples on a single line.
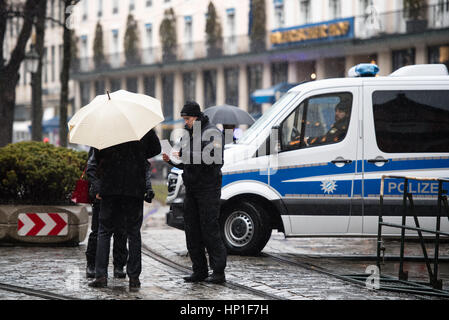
[(317, 121), (412, 121)]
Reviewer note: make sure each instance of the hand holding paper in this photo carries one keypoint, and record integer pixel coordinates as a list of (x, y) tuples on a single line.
[(168, 150)]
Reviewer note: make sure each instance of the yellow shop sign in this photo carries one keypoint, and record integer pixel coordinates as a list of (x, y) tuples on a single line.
[(330, 30)]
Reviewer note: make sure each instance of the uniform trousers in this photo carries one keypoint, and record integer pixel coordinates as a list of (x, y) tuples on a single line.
[(202, 230), (118, 211)]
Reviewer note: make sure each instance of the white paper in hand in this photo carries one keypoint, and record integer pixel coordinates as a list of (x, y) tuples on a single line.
[(166, 147)]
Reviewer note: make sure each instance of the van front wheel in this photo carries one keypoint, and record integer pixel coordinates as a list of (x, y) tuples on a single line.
[(245, 228)]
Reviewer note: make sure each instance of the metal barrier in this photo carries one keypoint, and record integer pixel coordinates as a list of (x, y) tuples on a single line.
[(409, 211)]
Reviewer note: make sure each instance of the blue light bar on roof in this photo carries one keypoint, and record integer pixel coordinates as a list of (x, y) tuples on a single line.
[(364, 70)]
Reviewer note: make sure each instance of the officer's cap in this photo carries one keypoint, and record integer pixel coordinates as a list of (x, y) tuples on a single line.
[(191, 109)]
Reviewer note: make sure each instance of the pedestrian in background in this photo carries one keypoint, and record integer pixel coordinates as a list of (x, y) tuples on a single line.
[(122, 174), (202, 180)]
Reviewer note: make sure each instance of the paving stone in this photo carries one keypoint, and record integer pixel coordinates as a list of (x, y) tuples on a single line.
[(62, 270)]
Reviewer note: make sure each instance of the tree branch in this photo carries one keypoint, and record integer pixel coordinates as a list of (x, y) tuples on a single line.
[(18, 54)]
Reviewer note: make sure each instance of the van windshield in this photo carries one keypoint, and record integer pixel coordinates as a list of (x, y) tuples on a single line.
[(255, 129)]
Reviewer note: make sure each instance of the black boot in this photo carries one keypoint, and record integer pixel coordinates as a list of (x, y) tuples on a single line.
[(90, 271), (216, 278), (196, 277), (99, 283), (134, 283)]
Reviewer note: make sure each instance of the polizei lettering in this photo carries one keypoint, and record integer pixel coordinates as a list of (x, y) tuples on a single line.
[(413, 187)]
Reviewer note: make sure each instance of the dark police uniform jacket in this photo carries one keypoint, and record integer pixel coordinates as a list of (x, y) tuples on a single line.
[(201, 176)]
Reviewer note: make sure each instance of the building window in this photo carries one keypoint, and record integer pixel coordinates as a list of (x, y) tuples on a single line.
[(100, 8), (53, 65), (335, 67), (231, 43), (255, 76), (132, 5), (188, 30), (335, 9), (232, 86), (279, 72), (149, 86), (85, 92), (439, 54), (210, 88), (304, 11), (44, 65), (61, 56), (402, 58), (115, 5), (167, 95), (189, 85), (231, 21), (149, 35), (279, 13), (99, 87), (84, 48), (115, 46), (85, 9), (149, 3), (116, 84), (61, 11), (52, 12), (131, 84)]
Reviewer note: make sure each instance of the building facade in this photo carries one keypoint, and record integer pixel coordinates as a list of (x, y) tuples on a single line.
[(304, 40)]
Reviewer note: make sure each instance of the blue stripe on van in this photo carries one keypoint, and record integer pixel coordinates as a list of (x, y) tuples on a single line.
[(343, 188), (412, 164)]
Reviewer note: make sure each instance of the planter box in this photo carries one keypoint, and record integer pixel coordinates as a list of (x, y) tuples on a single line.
[(35, 224)]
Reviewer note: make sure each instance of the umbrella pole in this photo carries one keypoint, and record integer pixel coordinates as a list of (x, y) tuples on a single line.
[(108, 94)]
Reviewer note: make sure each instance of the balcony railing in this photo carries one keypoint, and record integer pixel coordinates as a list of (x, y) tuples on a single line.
[(369, 25)]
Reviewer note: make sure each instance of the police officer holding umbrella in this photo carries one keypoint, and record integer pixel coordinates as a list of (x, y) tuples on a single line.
[(202, 158)]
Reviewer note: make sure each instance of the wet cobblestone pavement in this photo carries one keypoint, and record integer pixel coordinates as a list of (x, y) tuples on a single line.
[(61, 270)]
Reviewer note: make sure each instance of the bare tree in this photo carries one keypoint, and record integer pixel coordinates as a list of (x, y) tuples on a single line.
[(36, 78), (65, 73), (9, 70)]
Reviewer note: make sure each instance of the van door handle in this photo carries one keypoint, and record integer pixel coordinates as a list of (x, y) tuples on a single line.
[(378, 160), (345, 161)]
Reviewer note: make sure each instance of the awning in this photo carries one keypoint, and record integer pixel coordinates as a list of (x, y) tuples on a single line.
[(271, 95), (50, 124)]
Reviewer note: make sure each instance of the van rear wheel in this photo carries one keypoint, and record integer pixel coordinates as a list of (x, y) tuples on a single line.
[(245, 228)]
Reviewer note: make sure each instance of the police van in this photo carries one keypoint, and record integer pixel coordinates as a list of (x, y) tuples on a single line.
[(302, 170)]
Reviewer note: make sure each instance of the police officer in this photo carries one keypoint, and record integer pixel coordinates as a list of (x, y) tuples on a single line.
[(122, 173), (338, 130), (202, 179)]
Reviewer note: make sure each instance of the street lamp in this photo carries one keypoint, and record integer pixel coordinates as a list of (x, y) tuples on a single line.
[(32, 60)]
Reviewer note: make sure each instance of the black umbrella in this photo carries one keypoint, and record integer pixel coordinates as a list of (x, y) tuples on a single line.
[(227, 114)]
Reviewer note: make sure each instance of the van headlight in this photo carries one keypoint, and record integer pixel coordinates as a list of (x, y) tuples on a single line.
[(171, 182)]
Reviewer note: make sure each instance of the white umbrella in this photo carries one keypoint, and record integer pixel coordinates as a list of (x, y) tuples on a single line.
[(115, 118)]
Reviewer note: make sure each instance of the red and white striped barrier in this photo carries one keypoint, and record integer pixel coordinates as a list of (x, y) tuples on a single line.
[(42, 224)]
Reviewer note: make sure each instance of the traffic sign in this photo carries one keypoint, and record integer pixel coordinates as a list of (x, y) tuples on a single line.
[(42, 224)]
